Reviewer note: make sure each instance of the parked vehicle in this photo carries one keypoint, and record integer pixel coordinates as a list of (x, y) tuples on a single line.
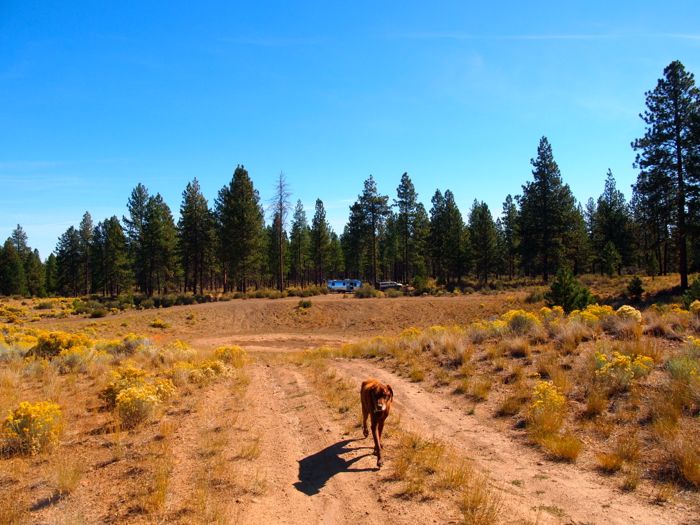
[(389, 285), (343, 285)]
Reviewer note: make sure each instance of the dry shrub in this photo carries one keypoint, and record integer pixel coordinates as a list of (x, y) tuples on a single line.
[(621, 327), (68, 474), (608, 462), (627, 446), (515, 347), (631, 479), (480, 387), (415, 460), (596, 403), (570, 334), (657, 325), (562, 447), (513, 403), (416, 373), (684, 456), (480, 505)]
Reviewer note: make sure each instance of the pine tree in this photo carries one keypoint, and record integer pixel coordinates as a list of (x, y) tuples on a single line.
[(136, 205), (483, 235), (240, 225), (299, 245), (13, 280), (111, 266), (36, 275), (509, 222), (406, 203), (68, 263), (278, 251), (374, 209), (449, 239), (352, 241), (280, 208), (546, 209), (50, 275), (85, 230), (336, 261), (196, 237), (20, 242), (611, 223), (669, 153), (320, 242), (159, 247)]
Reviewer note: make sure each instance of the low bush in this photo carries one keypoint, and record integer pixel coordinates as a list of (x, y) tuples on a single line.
[(233, 355), (50, 344), (366, 292), (304, 304), (159, 323), (547, 409), (32, 427)]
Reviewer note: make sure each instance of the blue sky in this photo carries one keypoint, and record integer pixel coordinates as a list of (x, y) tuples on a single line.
[(98, 96)]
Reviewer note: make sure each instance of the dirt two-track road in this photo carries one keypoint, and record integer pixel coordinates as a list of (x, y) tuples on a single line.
[(314, 466)]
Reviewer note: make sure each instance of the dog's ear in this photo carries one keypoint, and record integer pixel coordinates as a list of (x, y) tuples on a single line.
[(391, 391)]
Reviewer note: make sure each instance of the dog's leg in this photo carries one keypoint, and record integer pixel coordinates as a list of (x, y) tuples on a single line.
[(377, 447), (365, 414), (381, 429)]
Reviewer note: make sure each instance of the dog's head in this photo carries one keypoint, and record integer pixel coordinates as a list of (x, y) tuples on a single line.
[(383, 394)]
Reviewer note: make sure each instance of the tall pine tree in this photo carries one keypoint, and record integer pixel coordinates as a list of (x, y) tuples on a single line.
[(546, 209), (669, 152)]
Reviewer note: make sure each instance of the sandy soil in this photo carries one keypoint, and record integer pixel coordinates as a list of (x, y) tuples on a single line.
[(315, 466)]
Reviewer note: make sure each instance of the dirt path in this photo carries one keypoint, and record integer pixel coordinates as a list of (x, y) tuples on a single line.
[(562, 493), (315, 471)]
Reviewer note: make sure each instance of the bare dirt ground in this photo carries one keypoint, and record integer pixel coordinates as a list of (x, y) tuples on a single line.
[(312, 465)]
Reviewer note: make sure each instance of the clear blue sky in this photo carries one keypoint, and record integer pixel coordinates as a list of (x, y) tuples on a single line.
[(98, 96)]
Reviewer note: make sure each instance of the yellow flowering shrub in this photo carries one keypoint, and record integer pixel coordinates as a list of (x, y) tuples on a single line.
[(32, 427), (51, 344), (552, 314), (617, 371), (410, 332), (547, 409), (233, 355), (521, 322), (159, 323), (695, 307), (127, 345), (126, 376), (76, 359), (136, 404), (629, 312)]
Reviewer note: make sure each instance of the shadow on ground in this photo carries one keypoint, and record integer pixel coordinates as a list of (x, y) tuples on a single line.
[(315, 470)]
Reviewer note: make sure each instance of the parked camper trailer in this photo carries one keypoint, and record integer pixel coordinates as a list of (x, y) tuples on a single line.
[(343, 285)]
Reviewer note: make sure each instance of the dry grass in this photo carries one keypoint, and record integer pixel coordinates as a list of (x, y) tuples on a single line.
[(596, 403), (480, 505), (516, 347), (608, 462), (68, 473), (561, 447)]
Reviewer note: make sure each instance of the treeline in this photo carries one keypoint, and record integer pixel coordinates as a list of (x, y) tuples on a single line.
[(228, 246)]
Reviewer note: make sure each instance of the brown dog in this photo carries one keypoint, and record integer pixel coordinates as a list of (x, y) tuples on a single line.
[(376, 401)]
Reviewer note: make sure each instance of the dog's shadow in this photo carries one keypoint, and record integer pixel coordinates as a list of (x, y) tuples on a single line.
[(315, 470)]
